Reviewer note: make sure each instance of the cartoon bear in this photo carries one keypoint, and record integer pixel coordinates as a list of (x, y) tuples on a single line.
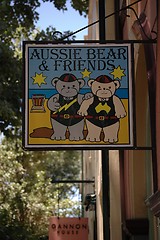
[(103, 110), (64, 106)]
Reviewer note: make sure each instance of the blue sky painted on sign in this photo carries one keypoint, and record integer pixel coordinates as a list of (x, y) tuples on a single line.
[(61, 20), (46, 63)]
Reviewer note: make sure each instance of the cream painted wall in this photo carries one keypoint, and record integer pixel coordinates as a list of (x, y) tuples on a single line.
[(114, 171), (93, 32), (115, 199), (110, 22), (98, 190), (89, 169), (92, 159)]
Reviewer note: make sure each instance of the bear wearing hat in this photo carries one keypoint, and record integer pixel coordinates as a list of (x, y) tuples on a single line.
[(103, 110), (64, 106)]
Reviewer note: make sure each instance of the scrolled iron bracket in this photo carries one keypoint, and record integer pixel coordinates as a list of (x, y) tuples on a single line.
[(58, 36), (139, 20), (61, 37)]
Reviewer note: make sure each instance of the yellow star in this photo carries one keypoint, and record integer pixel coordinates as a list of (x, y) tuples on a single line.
[(39, 79), (85, 73), (118, 73)]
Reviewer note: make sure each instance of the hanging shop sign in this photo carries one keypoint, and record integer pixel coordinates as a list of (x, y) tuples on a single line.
[(77, 96), (68, 228)]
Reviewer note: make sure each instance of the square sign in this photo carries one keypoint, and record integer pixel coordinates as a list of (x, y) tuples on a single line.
[(77, 96), (63, 228)]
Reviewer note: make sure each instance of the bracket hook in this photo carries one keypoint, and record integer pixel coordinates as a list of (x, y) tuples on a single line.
[(139, 20)]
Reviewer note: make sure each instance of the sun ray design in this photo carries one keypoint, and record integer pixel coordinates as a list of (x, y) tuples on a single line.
[(118, 73), (39, 79)]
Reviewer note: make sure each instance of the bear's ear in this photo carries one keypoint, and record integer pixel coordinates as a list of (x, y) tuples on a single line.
[(54, 81), (117, 84), (81, 82), (90, 81)]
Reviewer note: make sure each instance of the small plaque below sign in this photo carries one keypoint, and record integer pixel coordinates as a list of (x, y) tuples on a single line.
[(77, 96), (68, 228)]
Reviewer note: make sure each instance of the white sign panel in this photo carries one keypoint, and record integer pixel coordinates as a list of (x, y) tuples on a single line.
[(77, 96)]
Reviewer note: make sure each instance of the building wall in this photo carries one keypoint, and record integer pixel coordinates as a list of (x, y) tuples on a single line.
[(93, 32), (95, 156), (139, 163), (115, 198), (92, 170), (158, 97), (133, 183), (110, 21)]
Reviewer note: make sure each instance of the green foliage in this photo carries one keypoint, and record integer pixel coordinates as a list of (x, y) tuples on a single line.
[(23, 13), (50, 34), (15, 14), (17, 23), (27, 195), (10, 89), (79, 5)]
